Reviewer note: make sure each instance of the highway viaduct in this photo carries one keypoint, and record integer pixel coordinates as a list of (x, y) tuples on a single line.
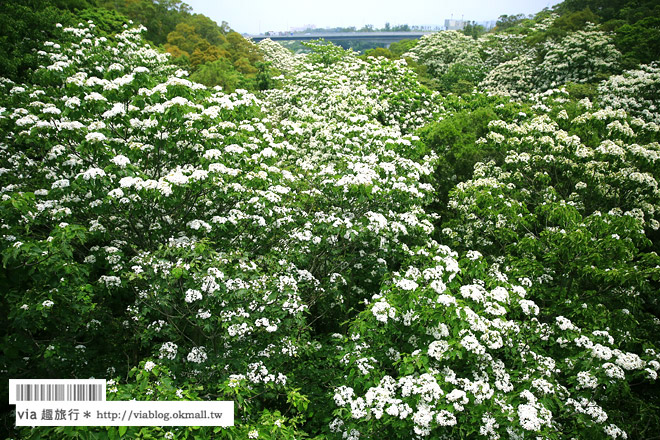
[(377, 37)]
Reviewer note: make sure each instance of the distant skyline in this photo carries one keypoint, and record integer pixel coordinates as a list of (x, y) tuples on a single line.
[(258, 16)]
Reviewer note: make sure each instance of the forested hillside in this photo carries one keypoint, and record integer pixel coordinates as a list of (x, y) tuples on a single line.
[(213, 54), (455, 239), (618, 36)]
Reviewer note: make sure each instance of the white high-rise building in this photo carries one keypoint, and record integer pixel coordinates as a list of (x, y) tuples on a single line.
[(454, 25)]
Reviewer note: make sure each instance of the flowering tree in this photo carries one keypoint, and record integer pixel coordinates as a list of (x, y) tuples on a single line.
[(513, 78), (583, 56), (436, 355), (449, 53), (573, 207), (197, 250), (282, 250), (281, 58), (440, 50), (636, 92)]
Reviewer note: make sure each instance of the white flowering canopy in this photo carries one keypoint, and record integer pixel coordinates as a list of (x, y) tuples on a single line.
[(285, 244)]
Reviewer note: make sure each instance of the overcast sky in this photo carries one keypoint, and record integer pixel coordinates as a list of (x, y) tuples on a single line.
[(255, 16)]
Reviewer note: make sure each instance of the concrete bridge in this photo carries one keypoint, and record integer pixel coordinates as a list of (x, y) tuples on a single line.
[(378, 37)]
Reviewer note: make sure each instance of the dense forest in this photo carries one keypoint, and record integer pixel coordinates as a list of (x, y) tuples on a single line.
[(454, 237)]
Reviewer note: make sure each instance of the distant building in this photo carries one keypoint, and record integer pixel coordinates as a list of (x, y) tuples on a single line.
[(488, 25), (303, 28), (428, 27), (454, 25)]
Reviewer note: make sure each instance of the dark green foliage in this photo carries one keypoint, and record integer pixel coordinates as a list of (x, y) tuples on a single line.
[(73, 5), (611, 9), (580, 91), (562, 26), (264, 78), (575, 20), (509, 21), (24, 26), (636, 25), (640, 42), (108, 22)]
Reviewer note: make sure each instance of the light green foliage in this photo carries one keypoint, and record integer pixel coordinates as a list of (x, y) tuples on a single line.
[(398, 48), (379, 52), (107, 22), (324, 52), (220, 73)]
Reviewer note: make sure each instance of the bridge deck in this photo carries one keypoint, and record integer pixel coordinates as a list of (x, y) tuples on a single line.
[(342, 36)]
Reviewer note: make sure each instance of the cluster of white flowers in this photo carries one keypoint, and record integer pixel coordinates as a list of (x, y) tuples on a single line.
[(110, 280), (636, 92), (382, 311), (440, 50), (193, 295), (168, 350), (197, 355), (281, 58), (149, 365)]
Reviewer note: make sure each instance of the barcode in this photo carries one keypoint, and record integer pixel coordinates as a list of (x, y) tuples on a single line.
[(59, 392)]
